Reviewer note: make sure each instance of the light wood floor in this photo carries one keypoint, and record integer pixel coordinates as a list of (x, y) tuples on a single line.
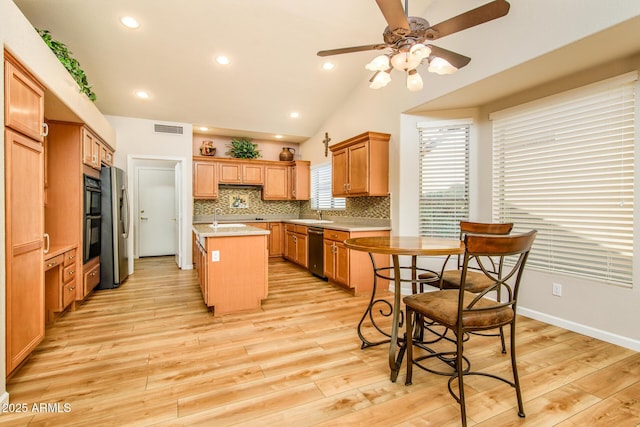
[(149, 353)]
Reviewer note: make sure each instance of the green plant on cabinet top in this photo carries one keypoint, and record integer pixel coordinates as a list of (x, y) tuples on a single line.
[(70, 63), (243, 148)]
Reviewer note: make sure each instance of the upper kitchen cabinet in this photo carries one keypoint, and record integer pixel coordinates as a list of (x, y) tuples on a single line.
[(240, 172), (299, 180), (360, 165), (275, 182), (205, 182), (95, 152), (24, 102)]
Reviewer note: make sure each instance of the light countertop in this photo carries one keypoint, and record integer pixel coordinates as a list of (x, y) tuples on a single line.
[(332, 223), (226, 230)]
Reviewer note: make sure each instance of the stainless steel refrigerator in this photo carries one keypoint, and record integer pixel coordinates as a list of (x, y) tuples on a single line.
[(114, 259)]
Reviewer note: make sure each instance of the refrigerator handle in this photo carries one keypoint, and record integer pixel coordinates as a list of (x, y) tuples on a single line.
[(125, 197)]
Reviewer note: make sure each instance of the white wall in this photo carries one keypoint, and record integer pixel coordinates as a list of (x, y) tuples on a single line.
[(138, 143)]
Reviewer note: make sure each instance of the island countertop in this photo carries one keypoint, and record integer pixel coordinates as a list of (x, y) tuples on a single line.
[(227, 230)]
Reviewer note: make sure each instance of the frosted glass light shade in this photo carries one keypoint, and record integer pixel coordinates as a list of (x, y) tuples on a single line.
[(420, 50), (441, 66), (414, 81), (405, 61), (380, 79), (379, 63)]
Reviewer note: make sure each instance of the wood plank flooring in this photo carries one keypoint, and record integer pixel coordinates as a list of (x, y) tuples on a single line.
[(150, 354)]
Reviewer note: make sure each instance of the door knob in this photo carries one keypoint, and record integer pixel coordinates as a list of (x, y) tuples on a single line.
[(143, 218)]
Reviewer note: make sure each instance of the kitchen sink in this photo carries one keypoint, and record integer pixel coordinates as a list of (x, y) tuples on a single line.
[(227, 225), (312, 221)]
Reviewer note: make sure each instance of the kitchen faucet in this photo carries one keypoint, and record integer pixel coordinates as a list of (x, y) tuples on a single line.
[(215, 217), (319, 212)]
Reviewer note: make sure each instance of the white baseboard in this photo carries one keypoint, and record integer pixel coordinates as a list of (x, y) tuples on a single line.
[(581, 329), (4, 399)]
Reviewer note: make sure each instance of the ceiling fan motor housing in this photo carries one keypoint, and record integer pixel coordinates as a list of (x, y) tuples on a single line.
[(403, 39)]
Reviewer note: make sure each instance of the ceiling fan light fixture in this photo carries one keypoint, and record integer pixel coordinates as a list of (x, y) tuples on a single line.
[(405, 61), (414, 81), (441, 66), (420, 50), (380, 79), (379, 63)]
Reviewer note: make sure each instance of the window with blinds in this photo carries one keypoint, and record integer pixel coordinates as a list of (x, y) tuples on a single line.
[(564, 165), (444, 178), (321, 189)]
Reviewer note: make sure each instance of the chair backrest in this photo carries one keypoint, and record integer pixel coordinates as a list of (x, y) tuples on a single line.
[(513, 250), (472, 228)]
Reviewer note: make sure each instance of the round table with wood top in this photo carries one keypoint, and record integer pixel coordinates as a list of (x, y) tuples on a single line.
[(407, 246)]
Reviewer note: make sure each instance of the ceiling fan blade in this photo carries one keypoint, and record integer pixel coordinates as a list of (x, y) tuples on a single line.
[(477, 16), (453, 58), (351, 49), (395, 16)]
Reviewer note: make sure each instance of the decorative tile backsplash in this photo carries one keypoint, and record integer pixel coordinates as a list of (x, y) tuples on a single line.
[(245, 200)]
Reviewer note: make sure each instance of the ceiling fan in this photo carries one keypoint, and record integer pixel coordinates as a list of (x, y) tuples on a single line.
[(406, 40)]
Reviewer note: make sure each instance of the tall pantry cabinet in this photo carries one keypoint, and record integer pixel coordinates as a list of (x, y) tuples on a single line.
[(24, 212)]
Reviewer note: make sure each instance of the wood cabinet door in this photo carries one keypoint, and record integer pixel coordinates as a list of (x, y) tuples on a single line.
[(339, 165), (302, 250), (276, 239), (90, 149), (329, 259), (24, 216), (230, 173), (341, 264), (358, 175), (290, 246), (275, 183), (253, 174), (205, 185), (24, 103), (299, 182)]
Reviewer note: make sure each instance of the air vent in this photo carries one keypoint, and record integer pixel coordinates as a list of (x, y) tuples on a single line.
[(175, 130)]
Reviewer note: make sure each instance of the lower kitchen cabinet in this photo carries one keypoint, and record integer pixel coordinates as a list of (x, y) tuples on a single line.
[(60, 282), (91, 276), (275, 242), (348, 268), (296, 247)]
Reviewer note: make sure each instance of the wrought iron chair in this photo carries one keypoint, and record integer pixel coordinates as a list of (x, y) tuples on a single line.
[(476, 281), (462, 311)]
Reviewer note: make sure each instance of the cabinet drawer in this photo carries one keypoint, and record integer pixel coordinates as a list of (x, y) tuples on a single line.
[(69, 257), (68, 293), (338, 236), (68, 273), (91, 278), (295, 228), (52, 262)]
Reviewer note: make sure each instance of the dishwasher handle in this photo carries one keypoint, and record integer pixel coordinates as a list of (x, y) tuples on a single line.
[(319, 231)]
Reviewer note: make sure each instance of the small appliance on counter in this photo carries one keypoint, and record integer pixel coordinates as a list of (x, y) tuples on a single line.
[(114, 260)]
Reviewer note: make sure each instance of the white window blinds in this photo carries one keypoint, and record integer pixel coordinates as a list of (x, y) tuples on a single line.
[(564, 165), (444, 178), (321, 189)]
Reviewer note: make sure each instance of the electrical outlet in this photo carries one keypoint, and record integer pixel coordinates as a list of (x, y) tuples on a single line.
[(215, 256), (556, 289)]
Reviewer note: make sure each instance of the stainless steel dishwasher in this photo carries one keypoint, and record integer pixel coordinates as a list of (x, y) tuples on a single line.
[(316, 251)]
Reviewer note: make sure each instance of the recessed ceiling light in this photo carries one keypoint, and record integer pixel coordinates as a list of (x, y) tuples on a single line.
[(129, 22), (294, 115), (142, 94), (328, 66), (279, 136), (223, 60), (203, 128)]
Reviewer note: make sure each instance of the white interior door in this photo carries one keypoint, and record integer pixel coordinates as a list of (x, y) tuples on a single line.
[(157, 220), (178, 211)]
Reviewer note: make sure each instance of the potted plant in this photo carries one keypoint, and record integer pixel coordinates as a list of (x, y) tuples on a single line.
[(243, 148)]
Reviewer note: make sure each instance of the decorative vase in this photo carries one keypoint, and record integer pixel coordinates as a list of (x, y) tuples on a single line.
[(207, 148), (287, 154)]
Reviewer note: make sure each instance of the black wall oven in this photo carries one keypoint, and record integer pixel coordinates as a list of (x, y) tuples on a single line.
[(92, 218)]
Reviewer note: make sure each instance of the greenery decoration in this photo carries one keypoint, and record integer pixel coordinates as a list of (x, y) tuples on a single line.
[(70, 63), (243, 148)]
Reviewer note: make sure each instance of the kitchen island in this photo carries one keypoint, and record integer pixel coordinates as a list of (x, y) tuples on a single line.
[(232, 262)]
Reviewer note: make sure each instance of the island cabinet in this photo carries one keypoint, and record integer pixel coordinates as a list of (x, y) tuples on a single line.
[(296, 244), (23, 231), (275, 242), (232, 270), (205, 180), (360, 166), (299, 177), (348, 268)]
